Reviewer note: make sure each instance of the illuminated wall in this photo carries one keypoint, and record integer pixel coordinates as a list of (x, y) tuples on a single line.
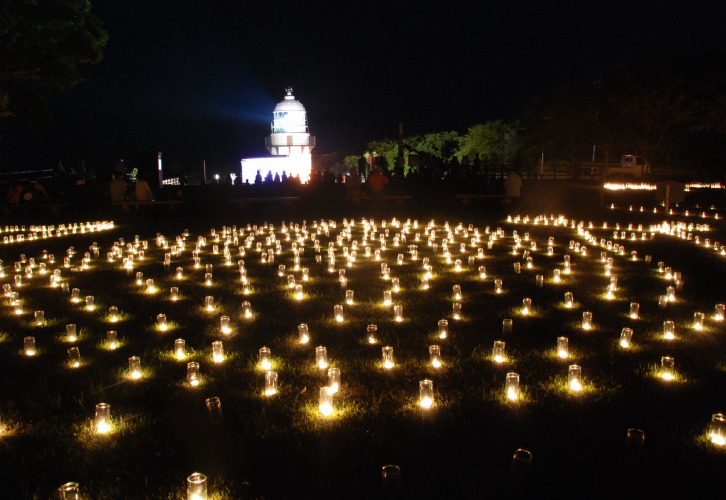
[(299, 165)]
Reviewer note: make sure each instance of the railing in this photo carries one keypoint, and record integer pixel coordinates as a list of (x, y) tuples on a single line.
[(23, 176)]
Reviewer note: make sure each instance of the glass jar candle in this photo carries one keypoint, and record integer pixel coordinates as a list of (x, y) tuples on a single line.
[(180, 349), (265, 358), (270, 383), (111, 340), (371, 334), (426, 394), (338, 313), (563, 347), (667, 368), (71, 335), (586, 320), (303, 333), (246, 310), (193, 377), (511, 386), (669, 330), (321, 357), (574, 378), (102, 418), (134, 367), (334, 380), (626, 337), (498, 351), (217, 351), (435, 356), (387, 357)]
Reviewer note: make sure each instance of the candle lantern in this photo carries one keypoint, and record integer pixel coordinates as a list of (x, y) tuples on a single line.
[(720, 311), (391, 480), (667, 368), (498, 286), (298, 292), (76, 295), (698, 319), (270, 383), (281, 270), (669, 330), (662, 301), (305, 272), (398, 313), (111, 340), (71, 333), (435, 356), (574, 378), (197, 485), (371, 334), (526, 306), (671, 293), (321, 357), (456, 310), (265, 358), (161, 322), (90, 303), (134, 367), (102, 419), (457, 292), (517, 268), (586, 320), (387, 298), (179, 273), (511, 386), (113, 314), (717, 432), (208, 279), (39, 318), (29, 346), (338, 313), (214, 409), (180, 349), (507, 326), (193, 376), (224, 325), (498, 351), (150, 287), (139, 278), (569, 301), (426, 394), (246, 309), (209, 303), (325, 404), (217, 351), (443, 328), (303, 333), (457, 265), (70, 491), (634, 310), (563, 347), (334, 380), (482, 272), (387, 353), (539, 281), (395, 285), (74, 357), (625, 337), (174, 293)]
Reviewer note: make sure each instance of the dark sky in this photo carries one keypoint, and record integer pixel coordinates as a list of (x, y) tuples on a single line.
[(199, 79)]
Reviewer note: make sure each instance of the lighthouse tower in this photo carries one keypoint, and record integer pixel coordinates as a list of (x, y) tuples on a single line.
[(289, 143), (290, 134)]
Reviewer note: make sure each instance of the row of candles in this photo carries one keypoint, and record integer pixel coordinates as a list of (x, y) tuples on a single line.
[(17, 234)]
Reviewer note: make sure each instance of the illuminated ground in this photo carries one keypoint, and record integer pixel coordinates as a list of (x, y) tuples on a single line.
[(281, 447)]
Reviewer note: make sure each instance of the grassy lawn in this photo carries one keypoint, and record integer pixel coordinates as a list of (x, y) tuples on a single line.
[(280, 446)]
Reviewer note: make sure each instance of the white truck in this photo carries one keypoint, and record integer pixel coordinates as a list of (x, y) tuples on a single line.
[(630, 166)]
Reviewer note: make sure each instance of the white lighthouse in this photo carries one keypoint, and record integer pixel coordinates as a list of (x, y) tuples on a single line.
[(289, 143), (290, 134)]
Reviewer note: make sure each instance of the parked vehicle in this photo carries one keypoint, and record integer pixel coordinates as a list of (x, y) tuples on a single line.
[(630, 166)]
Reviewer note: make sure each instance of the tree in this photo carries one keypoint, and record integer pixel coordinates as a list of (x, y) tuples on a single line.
[(499, 141), (42, 45)]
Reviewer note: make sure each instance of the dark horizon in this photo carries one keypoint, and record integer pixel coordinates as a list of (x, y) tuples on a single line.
[(199, 81)]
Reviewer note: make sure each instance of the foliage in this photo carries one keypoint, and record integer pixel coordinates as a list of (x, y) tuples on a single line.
[(42, 45), (498, 141)]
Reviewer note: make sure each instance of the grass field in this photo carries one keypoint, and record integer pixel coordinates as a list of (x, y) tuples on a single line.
[(280, 446)]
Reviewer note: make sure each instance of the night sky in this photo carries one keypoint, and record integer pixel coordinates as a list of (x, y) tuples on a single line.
[(199, 79)]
